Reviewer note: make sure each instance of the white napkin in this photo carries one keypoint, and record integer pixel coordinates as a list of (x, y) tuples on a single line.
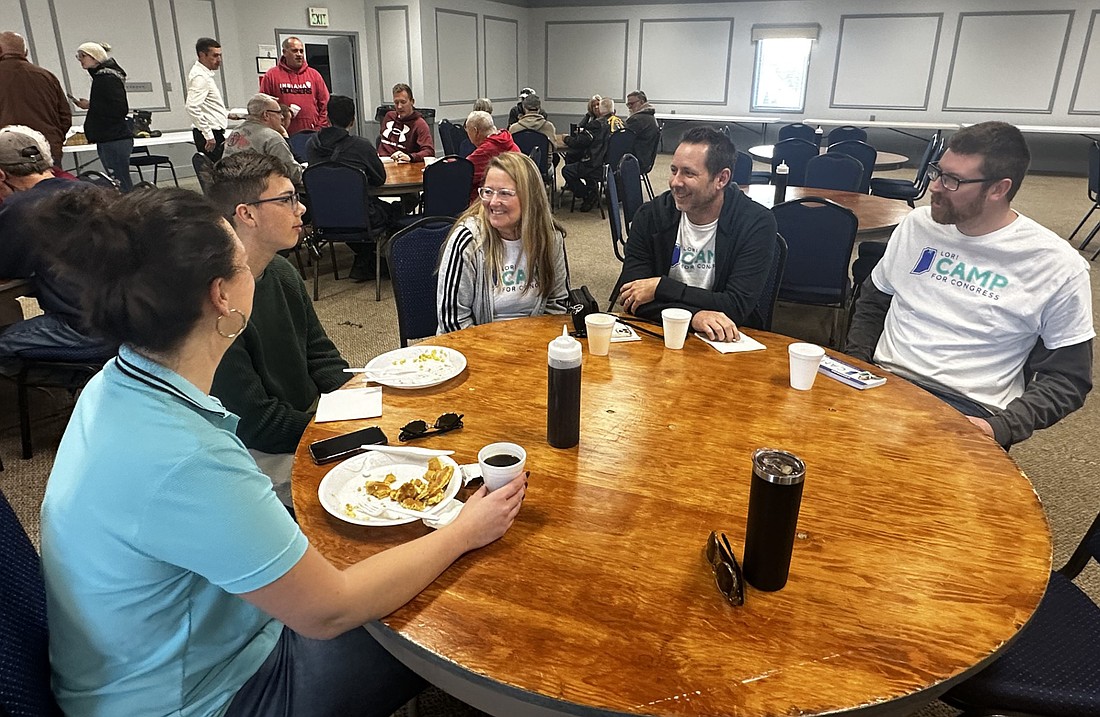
[(622, 332), (387, 160), (350, 404), (745, 343)]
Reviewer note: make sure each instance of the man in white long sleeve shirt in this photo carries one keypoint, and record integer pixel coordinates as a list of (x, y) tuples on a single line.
[(204, 100)]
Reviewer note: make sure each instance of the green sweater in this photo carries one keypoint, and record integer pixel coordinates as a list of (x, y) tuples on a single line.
[(273, 373)]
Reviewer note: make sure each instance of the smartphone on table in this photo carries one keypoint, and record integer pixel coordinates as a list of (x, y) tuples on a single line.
[(337, 447)]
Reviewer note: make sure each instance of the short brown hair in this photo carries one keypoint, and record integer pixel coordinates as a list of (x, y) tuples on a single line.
[(402, 87), (241, 178), (1002, 148)]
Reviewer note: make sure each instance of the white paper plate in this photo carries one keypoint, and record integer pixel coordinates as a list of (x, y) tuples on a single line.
[(343, 485), (434, 364)]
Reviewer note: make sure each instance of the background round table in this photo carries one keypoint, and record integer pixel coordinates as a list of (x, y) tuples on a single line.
[(921, 550), (884, 160), (876, 215), (401, 178)]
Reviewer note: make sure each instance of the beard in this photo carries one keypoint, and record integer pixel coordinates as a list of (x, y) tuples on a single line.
[(947, 212)]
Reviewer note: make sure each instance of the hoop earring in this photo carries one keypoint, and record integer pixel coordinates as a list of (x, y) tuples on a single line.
[(235, 334)]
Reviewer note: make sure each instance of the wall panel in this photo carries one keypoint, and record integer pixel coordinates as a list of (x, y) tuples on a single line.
[(585, 58), (902, 76), (1086, 90), (1007, 62), (669, 74), (394, 55), (456, 47), (501, 58)]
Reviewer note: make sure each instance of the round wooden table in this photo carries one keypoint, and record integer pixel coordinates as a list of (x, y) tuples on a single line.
[(876, 215), (884, 160), (401, 178), (922, 549)]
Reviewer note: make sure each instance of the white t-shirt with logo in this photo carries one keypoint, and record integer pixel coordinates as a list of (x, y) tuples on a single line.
[(510, 301), (967, 310), (693, 254)]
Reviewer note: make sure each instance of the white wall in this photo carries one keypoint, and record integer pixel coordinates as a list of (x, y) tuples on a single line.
[(1011, 59), (599, 49)]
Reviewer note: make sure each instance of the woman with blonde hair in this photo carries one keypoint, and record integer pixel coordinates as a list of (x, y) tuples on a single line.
[(505, 257)]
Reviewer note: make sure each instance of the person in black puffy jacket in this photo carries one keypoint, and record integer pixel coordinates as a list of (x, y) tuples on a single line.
[(105, 124)]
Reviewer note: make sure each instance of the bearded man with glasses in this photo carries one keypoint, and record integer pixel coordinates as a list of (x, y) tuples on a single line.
[(273, 374), (262, 132), (978, 304)]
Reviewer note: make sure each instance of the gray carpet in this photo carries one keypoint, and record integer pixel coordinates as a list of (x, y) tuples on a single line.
[(1060, 462)]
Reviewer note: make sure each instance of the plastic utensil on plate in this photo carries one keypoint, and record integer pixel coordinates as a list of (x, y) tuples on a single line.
[(407, 450), (384, 372), (376, 510)]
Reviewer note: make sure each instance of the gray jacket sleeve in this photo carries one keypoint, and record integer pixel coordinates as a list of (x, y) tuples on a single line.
[(558, 300), (867, 321), (456, 285), (1057, 381)]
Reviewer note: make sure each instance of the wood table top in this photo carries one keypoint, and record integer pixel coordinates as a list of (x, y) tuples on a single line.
[(875, 214), (401, 178), (922, 548), (883, 160)]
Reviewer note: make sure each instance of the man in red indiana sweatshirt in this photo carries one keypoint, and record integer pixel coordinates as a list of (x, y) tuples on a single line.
[(295, 83), (489, 141)]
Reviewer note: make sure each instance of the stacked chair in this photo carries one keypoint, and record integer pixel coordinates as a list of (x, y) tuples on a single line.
[(847, 132), (834, 171), (447, 187), (795, 153), (864, 153), (412, 255), (528, 140), (338, 197), (629, 177), (798, 130), (913, 190), (1094, 195), (298, 142), (140, 157), (820, 235)]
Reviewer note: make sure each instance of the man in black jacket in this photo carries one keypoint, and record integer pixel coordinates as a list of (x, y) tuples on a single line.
[(336, 144), (703, 245), (644, 125)]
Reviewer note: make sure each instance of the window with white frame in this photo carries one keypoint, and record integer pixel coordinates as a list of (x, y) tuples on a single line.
[(782, 66)]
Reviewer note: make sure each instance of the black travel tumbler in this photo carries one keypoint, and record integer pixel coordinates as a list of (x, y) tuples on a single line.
[(774, 499)]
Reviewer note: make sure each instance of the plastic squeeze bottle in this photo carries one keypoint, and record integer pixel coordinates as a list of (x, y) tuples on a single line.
[(781, 173), (563, 392)]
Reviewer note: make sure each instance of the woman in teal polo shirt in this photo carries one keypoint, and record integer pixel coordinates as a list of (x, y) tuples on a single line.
[(176, 581)]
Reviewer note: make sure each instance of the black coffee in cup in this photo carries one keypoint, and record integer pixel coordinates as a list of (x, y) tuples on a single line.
[(502, 460)]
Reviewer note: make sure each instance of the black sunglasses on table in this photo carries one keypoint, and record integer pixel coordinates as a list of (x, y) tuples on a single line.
[(726, 569), (419, 429)]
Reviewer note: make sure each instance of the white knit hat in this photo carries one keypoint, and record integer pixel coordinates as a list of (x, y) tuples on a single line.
[(95, 51)]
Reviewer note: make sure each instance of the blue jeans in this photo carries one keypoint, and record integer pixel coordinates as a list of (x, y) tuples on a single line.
[(348, 675), (115, 156), (47, 336)]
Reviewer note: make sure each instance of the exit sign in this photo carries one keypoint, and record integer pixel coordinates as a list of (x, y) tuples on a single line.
[(318, 17)]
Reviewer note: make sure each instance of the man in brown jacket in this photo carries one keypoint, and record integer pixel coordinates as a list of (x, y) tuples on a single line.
[(31, 95)]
